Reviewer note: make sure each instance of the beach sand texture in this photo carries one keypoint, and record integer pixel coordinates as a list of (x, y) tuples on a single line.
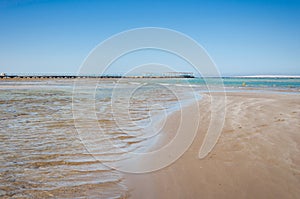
[(257, 155)]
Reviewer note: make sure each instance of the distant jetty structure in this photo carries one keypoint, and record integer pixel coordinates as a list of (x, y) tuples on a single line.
[(169, 75), (68, 76)]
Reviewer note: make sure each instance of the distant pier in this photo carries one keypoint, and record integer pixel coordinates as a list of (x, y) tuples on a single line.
[(148, 75), (54, 76)]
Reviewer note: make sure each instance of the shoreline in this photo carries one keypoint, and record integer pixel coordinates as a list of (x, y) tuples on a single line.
[(257, 154), (22, 83)]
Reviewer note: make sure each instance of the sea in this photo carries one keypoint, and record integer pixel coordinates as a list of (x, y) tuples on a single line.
[(43, 154)]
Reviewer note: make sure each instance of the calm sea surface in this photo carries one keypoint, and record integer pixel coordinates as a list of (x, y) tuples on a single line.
[(42, 154)]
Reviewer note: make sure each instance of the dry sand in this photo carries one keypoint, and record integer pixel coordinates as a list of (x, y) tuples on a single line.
[(257, 154)]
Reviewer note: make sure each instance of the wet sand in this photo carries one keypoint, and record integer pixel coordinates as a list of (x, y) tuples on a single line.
[(257, 154)]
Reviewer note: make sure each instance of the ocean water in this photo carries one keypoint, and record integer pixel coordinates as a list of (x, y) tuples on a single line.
[(263, 83), (44, 155)]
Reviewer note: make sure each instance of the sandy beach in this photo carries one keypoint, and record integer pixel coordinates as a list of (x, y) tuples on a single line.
[(150, 99), (257, 154)]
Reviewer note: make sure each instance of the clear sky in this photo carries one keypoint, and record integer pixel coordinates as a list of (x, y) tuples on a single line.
[(242, 37)]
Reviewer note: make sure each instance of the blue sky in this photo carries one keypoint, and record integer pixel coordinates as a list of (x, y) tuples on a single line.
[(242, 37)]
